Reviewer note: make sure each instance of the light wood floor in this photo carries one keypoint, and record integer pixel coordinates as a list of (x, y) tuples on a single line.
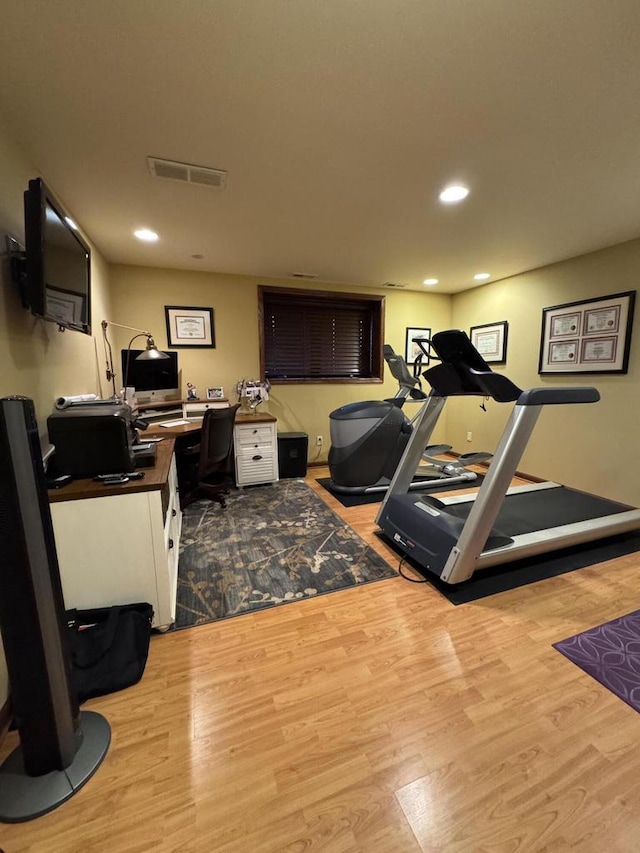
[(380, 719)]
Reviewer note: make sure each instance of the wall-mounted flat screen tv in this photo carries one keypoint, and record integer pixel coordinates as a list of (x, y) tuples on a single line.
[(58, 262)]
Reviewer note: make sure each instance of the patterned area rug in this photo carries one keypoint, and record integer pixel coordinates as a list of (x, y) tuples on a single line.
[(610, 653), (271, 545)]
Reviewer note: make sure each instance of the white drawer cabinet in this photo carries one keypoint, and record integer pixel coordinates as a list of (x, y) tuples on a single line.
[(195, 409), (121, 548), (255, 441)]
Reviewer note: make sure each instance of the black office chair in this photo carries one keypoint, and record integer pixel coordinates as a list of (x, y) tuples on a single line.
[(212, 468)]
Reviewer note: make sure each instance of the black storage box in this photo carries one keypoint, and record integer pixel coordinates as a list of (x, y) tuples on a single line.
[(292, 454), (90, 440)]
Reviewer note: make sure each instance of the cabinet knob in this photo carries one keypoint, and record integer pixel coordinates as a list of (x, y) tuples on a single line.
[(256, 458), (255, 431), (174, 513), (170, 544)]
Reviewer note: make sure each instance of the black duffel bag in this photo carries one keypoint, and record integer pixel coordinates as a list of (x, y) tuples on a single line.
[(109, 648)]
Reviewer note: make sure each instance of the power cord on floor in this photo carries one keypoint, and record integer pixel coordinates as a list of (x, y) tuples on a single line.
[(406, 577)]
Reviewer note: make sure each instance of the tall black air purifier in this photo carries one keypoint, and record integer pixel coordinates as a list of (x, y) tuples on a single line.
[(60, 747)]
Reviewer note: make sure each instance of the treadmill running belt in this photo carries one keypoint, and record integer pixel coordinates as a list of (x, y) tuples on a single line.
[(531, 511)]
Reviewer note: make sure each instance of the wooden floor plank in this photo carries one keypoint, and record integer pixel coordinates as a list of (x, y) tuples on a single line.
[(378, 719)]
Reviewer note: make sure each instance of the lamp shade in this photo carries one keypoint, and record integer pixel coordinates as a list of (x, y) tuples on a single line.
[(151, 352)]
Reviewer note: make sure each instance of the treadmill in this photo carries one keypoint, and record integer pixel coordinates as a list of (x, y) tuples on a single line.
[(455, 536)]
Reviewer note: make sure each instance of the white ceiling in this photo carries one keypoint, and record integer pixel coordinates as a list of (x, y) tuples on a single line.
[(338, 122)]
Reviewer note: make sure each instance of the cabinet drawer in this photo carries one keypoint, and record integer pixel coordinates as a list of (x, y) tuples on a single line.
[(256, 470), (200, 407), (244, 451), (254, 435)]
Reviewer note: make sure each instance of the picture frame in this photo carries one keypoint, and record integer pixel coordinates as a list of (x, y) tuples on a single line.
[(413, 350), (490, 339), (215, 392), (189, 327), (588, 336), (64, 306)]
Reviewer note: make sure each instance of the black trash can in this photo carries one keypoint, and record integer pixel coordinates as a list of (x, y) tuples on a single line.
[(292, 454)]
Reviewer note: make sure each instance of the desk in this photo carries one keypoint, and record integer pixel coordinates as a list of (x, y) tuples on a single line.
[(120, 544), (255, 442)]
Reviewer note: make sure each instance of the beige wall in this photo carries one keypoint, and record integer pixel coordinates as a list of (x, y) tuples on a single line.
[(591, 447), (36, 360), (140, 294)]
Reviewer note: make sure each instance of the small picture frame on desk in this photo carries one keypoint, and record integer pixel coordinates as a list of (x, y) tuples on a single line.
[(216, 392)]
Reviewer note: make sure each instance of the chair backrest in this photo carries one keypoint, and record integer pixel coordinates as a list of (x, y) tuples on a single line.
[(216, 442)]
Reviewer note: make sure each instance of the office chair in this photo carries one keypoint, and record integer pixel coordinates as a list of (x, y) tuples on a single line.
[(213, 474)]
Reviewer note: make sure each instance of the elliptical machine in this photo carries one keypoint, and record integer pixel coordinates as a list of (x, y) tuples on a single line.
[(368, 439)]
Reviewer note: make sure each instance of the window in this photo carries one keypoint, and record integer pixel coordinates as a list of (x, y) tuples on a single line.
[(318, 336)]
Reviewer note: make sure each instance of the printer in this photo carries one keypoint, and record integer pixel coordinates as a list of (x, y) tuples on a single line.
[(91, 439)]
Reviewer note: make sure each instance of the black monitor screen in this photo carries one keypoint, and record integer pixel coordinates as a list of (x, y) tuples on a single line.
[(158, 374)]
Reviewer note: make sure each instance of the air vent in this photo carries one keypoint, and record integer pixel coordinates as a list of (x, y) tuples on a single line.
[(394, 284), (187, 173), (307, 275)]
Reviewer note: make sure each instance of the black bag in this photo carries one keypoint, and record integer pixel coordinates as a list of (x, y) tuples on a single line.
[(109, 648)]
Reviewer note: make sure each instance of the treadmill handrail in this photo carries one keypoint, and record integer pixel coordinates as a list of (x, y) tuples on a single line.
[(558, 396)]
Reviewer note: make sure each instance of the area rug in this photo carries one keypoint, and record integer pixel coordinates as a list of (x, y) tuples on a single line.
[(530, 570), (376, 497), (272, 545), (610, 653)]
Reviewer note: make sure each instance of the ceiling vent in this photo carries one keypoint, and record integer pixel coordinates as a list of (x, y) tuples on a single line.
[(187, 173), (394, 284), (308, 275)]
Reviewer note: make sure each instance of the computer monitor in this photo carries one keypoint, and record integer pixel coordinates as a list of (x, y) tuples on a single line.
[(156, 379)]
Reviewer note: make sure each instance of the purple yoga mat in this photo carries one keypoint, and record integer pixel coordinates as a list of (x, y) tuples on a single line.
[(610, 653)]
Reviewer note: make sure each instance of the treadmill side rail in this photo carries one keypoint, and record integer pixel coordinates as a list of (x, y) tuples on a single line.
[(463, 559), (423, 427)]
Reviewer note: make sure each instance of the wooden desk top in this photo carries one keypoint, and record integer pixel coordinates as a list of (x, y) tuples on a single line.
[(154, 478), (196, 426)]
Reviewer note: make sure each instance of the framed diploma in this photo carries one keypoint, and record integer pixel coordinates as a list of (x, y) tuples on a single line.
[(414, 350), (490, 340), (189, 327), (590, 336)]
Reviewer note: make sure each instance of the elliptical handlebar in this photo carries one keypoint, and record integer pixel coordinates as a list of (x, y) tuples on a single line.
[(410, 386)]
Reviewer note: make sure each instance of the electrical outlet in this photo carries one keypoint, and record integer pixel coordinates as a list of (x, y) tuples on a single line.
[(469, 436), (319, 441)]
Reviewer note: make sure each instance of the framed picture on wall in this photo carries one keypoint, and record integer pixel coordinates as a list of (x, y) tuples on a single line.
[(189, 327), (412, 349), (589, 336), (490, 339)]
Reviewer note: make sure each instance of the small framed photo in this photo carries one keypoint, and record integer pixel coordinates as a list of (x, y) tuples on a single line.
[(216, 392), (490, 339), (589, 336), (413, 349), (189, 327)]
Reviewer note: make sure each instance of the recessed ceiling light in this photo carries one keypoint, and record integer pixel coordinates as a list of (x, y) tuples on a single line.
[(430, 281), (146, 234), (71, 223), (482, 276), (454, 193)]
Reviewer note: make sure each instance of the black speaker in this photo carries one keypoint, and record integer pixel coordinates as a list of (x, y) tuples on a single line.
[(60, 748), (292, 454)]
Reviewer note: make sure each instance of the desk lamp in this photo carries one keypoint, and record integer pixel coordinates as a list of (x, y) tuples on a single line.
[(149, 353)]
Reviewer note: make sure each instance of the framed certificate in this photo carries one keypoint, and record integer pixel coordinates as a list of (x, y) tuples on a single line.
[(590, 336), (189, 327), (490, 340)]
